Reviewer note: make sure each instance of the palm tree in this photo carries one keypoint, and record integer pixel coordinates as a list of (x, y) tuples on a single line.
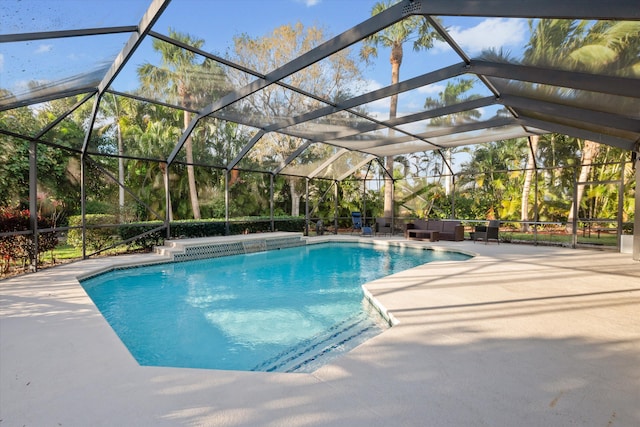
[(452, 94), (413, 28), (152, 141), (486, 177), (120, 112), (185, 81), (607, 46)]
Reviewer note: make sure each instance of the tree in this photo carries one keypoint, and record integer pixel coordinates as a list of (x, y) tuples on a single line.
[(528, 178), (152, 139), (186, 81), (451, 95), (415, 29), (55, 179), (330, 79), (487, 177), (608, 47), (118, 114)]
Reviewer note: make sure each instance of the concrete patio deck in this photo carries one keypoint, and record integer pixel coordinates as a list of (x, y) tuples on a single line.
[(517, 336)]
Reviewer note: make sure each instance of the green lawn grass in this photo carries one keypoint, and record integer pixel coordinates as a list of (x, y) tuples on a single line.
[(603, 240), (65, 251)]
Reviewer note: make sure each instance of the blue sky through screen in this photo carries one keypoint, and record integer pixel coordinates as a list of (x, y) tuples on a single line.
[(217, 22)]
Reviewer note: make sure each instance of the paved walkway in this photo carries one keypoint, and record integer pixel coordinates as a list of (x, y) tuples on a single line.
[(517, 336)]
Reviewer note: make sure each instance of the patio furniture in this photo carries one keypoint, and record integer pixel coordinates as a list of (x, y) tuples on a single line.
[(434, 230), (486, 233), (356, 220), (383, 226), (419, 234)]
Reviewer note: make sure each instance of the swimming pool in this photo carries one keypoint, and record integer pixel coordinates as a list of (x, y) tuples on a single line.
[(288, 310)]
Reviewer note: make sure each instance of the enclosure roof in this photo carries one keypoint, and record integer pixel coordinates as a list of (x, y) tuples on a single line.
[(333, 135)]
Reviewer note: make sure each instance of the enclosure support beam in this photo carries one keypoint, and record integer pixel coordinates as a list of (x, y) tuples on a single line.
[(364, 201), (369, 158), (167, 202), (33, 200), (226, 203), (601, 138), (574, 220), (245, 149), (337, 212), (306, 207), (453, 196), (550, 109), (589, 9), (83, 204), (536, 215), (622, 86), (393, 204), (326, 163), (636, 217), (620, 205), (273, 227)]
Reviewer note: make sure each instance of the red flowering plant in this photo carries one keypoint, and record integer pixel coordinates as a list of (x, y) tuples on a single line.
[(20, 247)]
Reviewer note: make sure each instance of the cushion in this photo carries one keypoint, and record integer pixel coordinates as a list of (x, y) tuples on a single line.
[(421, 224), (435, 225), (449, 226)]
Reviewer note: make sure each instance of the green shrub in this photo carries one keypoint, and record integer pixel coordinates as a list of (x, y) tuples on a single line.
[(21, 247), (206, 228), (147, 241), (294, 224), (197, 228), (97, 238)]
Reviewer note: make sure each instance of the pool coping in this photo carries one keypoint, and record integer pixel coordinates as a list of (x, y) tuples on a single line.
[(465, 347)]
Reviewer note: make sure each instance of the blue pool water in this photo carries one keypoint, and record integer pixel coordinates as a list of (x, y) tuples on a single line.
[(283, 310)]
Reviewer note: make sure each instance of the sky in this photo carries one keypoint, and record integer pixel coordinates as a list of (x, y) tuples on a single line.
[(217, 22)]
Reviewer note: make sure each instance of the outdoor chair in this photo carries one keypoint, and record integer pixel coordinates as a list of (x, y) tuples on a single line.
[(486, 233), (383, 226), (356, 219)]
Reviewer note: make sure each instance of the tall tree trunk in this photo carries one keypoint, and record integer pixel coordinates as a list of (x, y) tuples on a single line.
[(165, 178), (120, 167), (589, 152), (528, 178), (295, 197), (448, 185), (234, 176), (396, 61), (120, 158), (193, 190)]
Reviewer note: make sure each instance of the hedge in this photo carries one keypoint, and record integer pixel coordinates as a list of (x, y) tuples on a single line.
[(20, 247), (98, 238)]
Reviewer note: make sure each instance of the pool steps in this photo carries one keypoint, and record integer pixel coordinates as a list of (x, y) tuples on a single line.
[(310, 354), (213, 247)]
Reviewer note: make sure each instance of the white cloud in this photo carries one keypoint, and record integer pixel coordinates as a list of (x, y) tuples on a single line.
[(432, 89), (309, 3), (493, 33), (1, 62), (44, 48), (371, 85)]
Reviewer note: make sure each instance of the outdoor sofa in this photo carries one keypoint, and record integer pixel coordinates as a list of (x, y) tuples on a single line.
[(434, 230)]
